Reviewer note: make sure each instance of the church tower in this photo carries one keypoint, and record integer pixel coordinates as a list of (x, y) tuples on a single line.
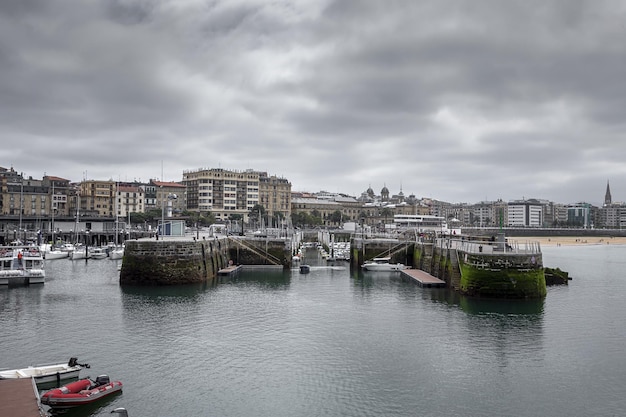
[(607, 195)]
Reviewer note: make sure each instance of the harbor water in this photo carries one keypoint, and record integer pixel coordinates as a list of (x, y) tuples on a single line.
[(331, 342)]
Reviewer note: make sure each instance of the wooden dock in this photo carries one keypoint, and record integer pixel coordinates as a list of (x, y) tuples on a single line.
[(231, 270), (18, 398), (422, 278)]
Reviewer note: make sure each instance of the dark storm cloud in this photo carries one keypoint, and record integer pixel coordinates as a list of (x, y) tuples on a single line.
[(455, 100)]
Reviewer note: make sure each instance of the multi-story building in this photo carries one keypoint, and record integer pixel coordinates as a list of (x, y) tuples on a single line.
[(275, 195), (128, 199), (525, 213), (59, 190), (97, 198), (579, 215), (24, 197), (369, 210), (170, 197), (150, 196), (223, 192)]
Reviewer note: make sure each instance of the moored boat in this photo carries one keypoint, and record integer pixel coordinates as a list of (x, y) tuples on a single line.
[(84, 391), (97, 253), (55, 254), (79, 252), (21, 265), (382, 264), (46, 373), (116, 251)]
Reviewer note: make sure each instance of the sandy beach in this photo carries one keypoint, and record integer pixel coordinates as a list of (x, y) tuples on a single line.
[(573, 240)]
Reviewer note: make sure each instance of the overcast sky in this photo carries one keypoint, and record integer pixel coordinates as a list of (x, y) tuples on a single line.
[(461, 101)]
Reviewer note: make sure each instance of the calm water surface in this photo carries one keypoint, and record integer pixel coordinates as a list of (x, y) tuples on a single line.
[(331, 343)]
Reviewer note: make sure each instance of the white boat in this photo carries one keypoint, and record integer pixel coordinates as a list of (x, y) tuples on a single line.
[(55, 254), (382, 264), (21, 265), (79, 252), (116, 252), (46, 373), (97, 253)]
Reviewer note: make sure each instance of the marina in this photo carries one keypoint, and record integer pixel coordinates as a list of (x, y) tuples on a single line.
[(256, 342)]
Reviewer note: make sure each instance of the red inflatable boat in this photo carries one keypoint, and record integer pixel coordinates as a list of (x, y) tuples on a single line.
[(81, 392)]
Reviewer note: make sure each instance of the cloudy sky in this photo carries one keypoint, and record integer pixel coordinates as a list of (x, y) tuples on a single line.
[(460, 101)]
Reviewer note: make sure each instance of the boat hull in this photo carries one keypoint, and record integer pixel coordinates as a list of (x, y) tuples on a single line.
[(78, 254), (383, 267), (79, 393), (56, 254), (43, 374)]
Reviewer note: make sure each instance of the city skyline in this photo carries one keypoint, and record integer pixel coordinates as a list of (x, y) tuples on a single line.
[(606, 190), (455, 101)]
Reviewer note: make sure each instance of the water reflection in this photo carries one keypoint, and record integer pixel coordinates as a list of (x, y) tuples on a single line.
[(532, 307), (163, 293), (266, 278)]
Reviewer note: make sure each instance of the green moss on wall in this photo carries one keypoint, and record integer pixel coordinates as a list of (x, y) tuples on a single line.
[(506, 283)]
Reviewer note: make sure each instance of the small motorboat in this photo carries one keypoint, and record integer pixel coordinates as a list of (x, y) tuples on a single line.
[(382, 264), (85, 391), (47, 373), (305, 269)]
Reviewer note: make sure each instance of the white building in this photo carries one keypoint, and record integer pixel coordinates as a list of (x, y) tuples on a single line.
[(525, 213)]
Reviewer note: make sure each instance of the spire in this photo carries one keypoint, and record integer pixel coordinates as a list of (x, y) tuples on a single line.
[(607, 195)]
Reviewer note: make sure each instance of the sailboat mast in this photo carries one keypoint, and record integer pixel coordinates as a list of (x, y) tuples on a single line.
[(52, 213), (117, 221)]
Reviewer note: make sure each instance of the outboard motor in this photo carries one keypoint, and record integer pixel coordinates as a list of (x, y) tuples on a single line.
[(102, 380), (73, 362)]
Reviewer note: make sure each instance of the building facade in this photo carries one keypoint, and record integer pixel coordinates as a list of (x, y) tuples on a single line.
[(170, 197), (525, 213), (226, 192), (275, 195), (97, 198)]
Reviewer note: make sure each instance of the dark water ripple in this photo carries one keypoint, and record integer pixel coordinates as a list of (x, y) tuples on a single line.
[(331, 343)]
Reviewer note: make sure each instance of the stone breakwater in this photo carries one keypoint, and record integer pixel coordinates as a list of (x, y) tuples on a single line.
[(172, 262), (176, 261)]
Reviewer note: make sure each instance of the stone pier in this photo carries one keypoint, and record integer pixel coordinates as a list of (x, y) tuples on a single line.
[(185, 260)]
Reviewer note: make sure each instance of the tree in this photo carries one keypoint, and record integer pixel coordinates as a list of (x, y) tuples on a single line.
[(256, 214), (335, 217), (302, 219)]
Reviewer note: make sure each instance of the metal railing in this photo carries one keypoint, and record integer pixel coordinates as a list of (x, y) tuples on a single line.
[(488, 247)]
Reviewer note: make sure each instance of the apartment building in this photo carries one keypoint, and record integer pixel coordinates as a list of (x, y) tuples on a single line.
[(222, 192), (129, 199), (97, 198), (170, 197), (275, 195)]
